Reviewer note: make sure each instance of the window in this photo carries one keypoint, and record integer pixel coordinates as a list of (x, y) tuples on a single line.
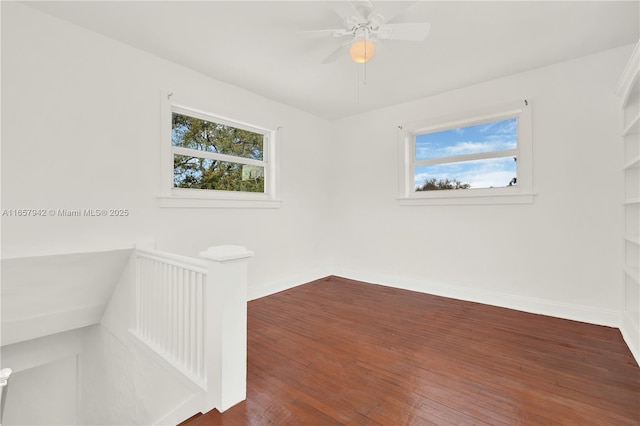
[(210, 161), (215, 156), (482, 159)]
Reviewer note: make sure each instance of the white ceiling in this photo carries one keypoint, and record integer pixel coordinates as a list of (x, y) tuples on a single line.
[(258, 45)]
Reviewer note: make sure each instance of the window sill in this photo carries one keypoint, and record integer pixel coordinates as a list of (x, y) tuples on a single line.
[(458, 199), (216, 203)]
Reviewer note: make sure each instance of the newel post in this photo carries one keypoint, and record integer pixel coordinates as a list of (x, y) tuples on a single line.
[(226, 325)]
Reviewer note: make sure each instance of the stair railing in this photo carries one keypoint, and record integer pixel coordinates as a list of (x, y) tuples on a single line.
[(192, 312)]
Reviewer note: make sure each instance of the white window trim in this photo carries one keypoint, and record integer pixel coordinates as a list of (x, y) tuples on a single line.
[(206, 198), (522, 193)]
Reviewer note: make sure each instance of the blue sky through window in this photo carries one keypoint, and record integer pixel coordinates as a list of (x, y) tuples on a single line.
[(495, 136)]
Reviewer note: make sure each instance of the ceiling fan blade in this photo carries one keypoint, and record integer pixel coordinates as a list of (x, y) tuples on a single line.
[(336, 32), (351, 12), (406, 32), (362, 8), (335, 55)]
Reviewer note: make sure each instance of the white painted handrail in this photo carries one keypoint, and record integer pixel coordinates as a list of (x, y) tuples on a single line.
[(193, 313), (187, 262)]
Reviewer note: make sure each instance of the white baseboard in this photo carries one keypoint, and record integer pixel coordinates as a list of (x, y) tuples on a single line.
[(631, 335), (272, 287), (610, 318)]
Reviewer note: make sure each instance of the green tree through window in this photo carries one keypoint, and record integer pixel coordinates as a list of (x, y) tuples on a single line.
[(193, 168)]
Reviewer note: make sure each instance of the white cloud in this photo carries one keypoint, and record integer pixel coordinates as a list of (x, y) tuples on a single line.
[(500, 127), (498, 143), (496, 172)]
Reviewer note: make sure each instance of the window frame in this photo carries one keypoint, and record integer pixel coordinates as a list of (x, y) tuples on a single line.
[(522, 193), (171, 196)]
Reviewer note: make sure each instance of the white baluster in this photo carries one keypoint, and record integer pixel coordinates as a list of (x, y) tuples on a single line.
[(172, 311), (160, 305), (154, 303), (176, 314), (192, 319), (199, 324), (139, 309), (166, 302), (187, 322), (138, 298), (180, 322), (185, 333), (145, 297)]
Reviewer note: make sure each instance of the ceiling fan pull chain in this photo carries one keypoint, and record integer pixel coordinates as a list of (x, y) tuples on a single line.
[(358, 92), (364, 82)]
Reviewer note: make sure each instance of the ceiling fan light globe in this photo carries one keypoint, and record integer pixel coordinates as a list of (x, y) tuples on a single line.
[(362, 51)]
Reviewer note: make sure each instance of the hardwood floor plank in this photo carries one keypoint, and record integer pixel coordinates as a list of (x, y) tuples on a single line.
[(337, 351)]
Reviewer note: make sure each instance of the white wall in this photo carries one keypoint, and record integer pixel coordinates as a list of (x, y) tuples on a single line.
[(81, 129), (559, 255)]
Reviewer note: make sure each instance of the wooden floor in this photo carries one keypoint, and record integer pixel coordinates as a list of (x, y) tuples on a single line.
[(337, 351)]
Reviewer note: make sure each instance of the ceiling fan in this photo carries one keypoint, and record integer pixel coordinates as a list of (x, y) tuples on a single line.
[(365, 28)]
